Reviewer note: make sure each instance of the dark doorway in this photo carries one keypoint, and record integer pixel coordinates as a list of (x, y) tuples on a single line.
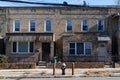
[(45, 51)]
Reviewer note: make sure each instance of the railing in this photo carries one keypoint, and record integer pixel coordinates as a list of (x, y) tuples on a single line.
[(84, 58), (115, 58)]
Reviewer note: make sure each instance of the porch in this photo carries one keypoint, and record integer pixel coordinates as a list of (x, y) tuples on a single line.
[(29, 47)]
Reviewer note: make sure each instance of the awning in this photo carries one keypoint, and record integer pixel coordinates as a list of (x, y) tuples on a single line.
[(22, 38), (103, 38), (46, 38)]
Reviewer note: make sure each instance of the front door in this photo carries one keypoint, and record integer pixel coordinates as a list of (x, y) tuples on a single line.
[(45, 51), (102, 53)]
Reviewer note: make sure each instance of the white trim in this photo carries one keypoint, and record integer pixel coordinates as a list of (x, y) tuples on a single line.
[(14, 25), (28, 46), (75, 49), (45, 25), (103, 25), (17, 47), (66, 26), (30, 23), (87, 25), (84, 49)]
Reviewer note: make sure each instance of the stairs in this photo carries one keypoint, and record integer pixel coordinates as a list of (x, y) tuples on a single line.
[(108, 65), (41, 64)]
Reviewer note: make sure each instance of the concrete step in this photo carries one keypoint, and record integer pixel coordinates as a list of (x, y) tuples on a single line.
[(42, 63), (40, 67), (108, 65)]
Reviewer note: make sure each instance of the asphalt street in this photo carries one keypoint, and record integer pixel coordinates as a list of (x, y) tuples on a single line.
[(83, 78)]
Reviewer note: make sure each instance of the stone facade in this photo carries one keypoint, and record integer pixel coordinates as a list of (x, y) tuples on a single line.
[(61, 39)]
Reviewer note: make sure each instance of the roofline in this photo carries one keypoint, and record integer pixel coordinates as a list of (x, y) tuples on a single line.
[(69, 5)]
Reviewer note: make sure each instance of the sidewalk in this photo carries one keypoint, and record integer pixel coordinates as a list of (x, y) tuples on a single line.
[(40, 73)]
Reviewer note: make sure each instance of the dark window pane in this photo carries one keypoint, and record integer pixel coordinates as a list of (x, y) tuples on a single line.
[(32, 25), (80, 48), (88, 51), (48, 25), (32, 29), (14, 47), (69, 28), (100, 28), (17, 29), (17, 25), (85, 25), (69, 25), (72, 51), (100, 25), (72, 45), (85, 28), (31, 46)]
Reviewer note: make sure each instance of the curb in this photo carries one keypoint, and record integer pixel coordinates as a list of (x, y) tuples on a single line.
[(55, 76)]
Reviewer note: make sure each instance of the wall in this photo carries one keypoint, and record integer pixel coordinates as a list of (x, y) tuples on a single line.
[(78, 65)]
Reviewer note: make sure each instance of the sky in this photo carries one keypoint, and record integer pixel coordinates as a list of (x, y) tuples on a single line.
[(78, 2)]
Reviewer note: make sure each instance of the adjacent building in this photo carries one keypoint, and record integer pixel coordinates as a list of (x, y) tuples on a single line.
[(3, 28)]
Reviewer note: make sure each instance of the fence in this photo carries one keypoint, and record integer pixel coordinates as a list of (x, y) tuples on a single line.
[(84, 59), (116, 58), (22, 59)]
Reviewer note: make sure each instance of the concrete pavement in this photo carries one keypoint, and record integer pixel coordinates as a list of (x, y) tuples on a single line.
[(80, 78), (48, 73)]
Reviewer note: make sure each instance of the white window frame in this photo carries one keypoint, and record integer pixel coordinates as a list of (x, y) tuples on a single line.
[(84, 53), (103, 25), (67, 24), (14, 25), (72, 48), (17, 48), (85, 47), (45, 25), (30, 25), (87, 25)]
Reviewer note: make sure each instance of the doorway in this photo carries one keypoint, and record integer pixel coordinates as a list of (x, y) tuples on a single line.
[(45, 51), (102, 52)]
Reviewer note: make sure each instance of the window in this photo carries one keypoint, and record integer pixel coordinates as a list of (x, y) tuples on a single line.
[(14, 47), (32, 10), (31, 47), (48, 24), (88, 48), (80, 48), (24, 47), (85, 25), (69, 25), (32, 25), (17, 25), (72, 48), (100, 25)]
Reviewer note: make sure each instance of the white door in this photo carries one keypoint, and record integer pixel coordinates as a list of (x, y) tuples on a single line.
[(102, 53)]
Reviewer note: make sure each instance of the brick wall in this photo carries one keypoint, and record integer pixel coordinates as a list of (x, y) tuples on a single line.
[(79, 65)]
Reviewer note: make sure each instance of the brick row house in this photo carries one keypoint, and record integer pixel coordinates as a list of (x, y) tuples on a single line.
[(71, 33)]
